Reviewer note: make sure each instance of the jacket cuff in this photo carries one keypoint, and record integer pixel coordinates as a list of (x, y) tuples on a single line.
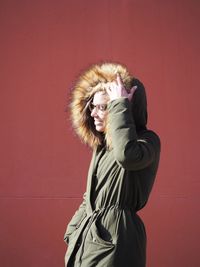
[(122, 101)]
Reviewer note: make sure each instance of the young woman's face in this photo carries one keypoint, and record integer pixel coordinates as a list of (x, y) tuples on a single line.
[(98, 109)]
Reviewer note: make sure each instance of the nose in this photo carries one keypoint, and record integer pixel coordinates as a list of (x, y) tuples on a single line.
[(94, 112)]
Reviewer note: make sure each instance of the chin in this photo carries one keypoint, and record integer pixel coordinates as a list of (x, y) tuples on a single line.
[(100, 129)]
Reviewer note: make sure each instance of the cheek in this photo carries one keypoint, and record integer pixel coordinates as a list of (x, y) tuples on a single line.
[(103, 117)]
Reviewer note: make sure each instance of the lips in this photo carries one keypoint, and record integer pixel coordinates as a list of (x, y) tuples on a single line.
[(97, 122)]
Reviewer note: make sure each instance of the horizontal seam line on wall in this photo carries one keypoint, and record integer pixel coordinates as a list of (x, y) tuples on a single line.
[(36, 197)]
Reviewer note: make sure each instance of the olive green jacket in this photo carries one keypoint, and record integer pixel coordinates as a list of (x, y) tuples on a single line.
[(106, 230)]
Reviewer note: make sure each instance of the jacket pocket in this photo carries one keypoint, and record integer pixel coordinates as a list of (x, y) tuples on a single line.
[(97, 237)]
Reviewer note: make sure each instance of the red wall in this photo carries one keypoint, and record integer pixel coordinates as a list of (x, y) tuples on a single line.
[(44, 46)]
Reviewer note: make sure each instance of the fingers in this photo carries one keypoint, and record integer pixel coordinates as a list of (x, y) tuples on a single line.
[(111, 86), (132, 91), (116, 89), (109, 90), (134, 88), (119, 80), (108, 87)]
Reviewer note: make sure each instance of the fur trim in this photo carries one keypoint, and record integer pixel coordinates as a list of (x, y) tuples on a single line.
[(91, 81)]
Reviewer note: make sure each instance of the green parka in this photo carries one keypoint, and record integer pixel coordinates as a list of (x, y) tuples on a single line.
[(106, 230)]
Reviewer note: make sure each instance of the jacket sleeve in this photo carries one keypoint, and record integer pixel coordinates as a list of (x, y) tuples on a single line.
[(75, 220), (131, 152)]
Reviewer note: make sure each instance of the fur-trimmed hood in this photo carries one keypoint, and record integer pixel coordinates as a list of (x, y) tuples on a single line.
[(93, 80)]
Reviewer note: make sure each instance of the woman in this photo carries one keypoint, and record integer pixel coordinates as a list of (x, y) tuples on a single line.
[(109, 113)]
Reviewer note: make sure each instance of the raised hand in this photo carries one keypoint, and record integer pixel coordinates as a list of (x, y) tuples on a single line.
[(116, 89)]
